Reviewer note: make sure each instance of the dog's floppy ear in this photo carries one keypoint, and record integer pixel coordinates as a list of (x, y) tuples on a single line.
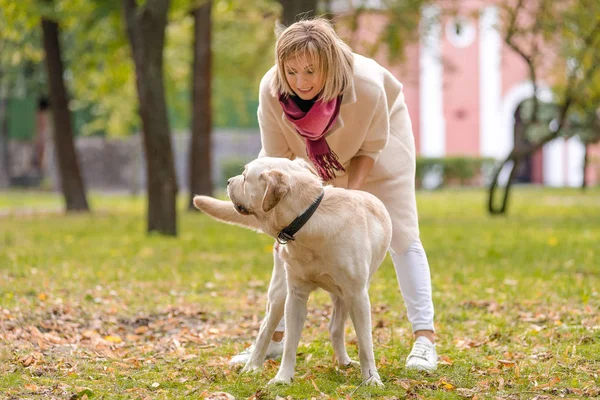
[(277, 188)]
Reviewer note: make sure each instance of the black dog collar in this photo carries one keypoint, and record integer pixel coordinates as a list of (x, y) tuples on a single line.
[(287, 233)]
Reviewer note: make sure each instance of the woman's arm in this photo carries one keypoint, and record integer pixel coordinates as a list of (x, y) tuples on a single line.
[(374, 142), (360, 166), (272, 139)]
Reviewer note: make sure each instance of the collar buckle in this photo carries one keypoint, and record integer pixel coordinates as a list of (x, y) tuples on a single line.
[(284, 237)]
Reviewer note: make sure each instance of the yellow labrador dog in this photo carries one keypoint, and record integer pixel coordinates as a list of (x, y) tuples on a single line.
[(330, 238)]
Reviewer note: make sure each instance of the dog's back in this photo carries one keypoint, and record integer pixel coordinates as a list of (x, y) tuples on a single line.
[(350, 238)]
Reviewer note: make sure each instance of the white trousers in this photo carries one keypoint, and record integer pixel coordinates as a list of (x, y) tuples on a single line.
[(414, 279)]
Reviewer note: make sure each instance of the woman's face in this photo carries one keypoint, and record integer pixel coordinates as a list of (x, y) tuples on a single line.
[(304, 77)]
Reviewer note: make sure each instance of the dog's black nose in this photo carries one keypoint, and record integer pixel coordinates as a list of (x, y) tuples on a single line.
[(228, 181)]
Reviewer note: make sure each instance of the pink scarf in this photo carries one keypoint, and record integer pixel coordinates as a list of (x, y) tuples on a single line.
[(312, 126)]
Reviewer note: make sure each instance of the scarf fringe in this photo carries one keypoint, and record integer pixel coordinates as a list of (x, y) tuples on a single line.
[(327, 164)]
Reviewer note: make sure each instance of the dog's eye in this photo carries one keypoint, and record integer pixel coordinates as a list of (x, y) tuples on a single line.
[(241, 209)]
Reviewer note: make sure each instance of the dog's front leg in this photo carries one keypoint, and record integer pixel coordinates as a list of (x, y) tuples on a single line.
[(360, 313), (275, 307), (295, 315)]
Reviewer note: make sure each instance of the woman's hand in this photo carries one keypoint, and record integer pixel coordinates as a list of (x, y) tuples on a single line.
[(360, 167)]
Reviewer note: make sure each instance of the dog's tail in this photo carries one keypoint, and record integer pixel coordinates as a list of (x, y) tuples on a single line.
[(224, 211)]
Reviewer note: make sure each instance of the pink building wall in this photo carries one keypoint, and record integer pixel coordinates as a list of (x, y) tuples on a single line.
[(461, 96), (461, 87), (406, 71)]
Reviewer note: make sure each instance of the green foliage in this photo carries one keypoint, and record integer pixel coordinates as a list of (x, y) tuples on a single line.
[(454, 170), (100, 72), (20, 48), (243, 42), (516, 304), (561, 43), (401, 27), (582, 123), (586, 125)]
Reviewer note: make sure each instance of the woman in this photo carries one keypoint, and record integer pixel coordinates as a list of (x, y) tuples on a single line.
[(347, 115)]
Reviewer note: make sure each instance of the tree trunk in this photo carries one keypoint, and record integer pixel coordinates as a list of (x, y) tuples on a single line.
[(200, 155), (145, 27), (294, 10), (494, 185), (69, 172)]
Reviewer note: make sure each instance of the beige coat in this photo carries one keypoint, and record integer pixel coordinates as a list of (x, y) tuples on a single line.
[(373, 121)]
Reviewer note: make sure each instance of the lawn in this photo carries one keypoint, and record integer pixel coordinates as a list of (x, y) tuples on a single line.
[(91, 307)]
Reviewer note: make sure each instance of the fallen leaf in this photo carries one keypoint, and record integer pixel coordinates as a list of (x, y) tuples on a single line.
[(501, 383), (220, 396), (31, 387), (28, 361), (113, 339), (88, 334), (445, 360), (141, 330), (442, 383), (464, 392), (507, 363), (552, 382)]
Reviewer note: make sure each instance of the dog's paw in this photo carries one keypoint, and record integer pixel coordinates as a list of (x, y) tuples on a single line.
[(281, 381), (349, 363), (250, 369), (374, 380)]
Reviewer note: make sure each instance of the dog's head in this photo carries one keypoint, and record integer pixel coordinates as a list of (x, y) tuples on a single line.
[(267, 181)]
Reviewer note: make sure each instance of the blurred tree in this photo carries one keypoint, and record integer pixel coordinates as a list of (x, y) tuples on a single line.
[(71, 183), (98, 54), (243, 51), (21, 51), (294, 10), (562, 41), (20, 54), (200, 154), (403, 25), (242, 36), (145, 26)]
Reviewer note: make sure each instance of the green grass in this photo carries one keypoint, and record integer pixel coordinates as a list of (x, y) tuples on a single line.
[(91, 306)]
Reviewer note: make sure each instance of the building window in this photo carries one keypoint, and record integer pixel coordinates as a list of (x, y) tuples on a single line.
[(460, 31)]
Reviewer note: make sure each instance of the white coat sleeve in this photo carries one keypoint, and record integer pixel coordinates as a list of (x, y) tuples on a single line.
[(378, 132), (272, 139)]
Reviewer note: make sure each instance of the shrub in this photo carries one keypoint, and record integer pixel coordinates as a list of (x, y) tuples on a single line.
[(454, 170)]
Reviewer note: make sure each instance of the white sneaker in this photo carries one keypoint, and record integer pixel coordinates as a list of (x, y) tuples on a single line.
[(274, 351), (423, 356)]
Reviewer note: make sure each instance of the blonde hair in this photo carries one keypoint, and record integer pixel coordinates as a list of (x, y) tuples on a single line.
[(316, 39)]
